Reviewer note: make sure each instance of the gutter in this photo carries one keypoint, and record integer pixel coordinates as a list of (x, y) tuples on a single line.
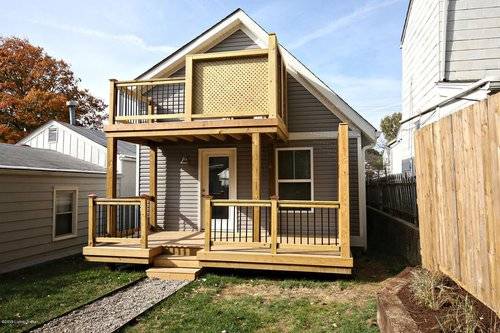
[(466, 91), (13, 167)]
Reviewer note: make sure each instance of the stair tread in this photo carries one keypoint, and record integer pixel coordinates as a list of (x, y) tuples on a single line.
[(174, 257), (173, 270)]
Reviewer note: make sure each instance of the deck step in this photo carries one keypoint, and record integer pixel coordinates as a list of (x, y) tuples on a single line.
[(166, 260), (181, 250), (173, 273)]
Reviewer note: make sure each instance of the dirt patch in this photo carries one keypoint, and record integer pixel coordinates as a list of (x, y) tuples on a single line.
[(358, 293)]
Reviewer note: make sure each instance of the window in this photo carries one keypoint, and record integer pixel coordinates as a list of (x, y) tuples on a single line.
[(294, 173), (52, 134), (65, 213)]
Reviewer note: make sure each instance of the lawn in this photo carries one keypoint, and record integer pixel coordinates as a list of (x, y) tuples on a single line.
[(248, 301), (36, 294)]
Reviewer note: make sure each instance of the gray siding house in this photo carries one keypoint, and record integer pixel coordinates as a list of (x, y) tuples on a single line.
[(43, 204), (451, 59), (314, 113)]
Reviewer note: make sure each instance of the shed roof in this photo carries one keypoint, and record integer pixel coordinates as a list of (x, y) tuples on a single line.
[(28, 158)]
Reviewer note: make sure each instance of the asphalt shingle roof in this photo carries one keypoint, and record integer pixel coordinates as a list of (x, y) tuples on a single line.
[(24, 157), (124, 148)]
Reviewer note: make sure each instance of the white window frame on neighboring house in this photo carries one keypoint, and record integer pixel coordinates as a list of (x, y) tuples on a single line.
[(74, 212), (308, 180)]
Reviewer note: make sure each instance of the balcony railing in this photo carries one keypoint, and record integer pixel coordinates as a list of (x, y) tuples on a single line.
[(221, 85)]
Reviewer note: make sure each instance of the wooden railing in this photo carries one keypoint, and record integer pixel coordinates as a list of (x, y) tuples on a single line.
[(307, 225), (232, 84), (118, 220)]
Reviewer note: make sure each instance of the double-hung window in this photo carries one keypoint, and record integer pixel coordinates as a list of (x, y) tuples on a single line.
[(295, 173), (65, 213)]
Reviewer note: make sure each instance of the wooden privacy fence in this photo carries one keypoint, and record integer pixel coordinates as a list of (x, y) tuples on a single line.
[(394, 194), (457, 165)]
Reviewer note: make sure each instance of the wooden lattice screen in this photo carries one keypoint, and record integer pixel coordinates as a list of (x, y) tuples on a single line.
[(230, 87)]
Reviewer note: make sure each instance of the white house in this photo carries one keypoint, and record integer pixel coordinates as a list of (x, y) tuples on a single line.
[(88, 145), (450, 59)]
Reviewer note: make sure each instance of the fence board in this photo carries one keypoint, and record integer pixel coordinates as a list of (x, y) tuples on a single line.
[(458, 193)]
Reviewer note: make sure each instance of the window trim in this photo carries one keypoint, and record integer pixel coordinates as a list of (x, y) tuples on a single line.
[(75, 212), (310, 180)]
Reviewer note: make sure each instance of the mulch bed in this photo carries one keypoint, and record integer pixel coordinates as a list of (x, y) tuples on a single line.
[(427, 319)]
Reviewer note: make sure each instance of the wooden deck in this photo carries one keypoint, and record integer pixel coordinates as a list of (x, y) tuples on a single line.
[(238, 255)]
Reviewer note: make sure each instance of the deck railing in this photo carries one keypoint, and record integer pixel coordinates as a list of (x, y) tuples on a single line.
[(218, 85), (297, 224), (118, 220)]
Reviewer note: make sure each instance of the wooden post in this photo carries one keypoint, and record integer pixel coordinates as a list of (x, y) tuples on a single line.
[(150, 109), (274, 224), (256, 184), (207, 219), (343, 190), (144, 221), (188, 89), (272, 168), (153, 154), (111, 184), (112, 101), (91, 219), (273, 74)]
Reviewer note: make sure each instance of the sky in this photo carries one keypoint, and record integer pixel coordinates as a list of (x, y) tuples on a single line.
[(353, 46)]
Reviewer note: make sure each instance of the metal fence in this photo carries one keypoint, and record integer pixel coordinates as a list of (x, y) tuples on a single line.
[(395, 195)]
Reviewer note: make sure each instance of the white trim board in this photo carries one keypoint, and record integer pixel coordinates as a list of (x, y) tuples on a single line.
[(240, 20)]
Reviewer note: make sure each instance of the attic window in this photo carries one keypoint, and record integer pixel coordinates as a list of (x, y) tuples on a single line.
[(52, 134)]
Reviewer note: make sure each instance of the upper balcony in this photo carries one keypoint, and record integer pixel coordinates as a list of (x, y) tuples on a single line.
[(236, 92)]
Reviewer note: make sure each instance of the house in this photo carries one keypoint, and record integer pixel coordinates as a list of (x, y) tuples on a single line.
[(450, 58), (87, 145), (247, 160), (43, 204)]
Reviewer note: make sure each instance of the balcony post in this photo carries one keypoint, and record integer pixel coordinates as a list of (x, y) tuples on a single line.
[(273, 74), (256, 184), (91, 219), (207, 220), (343, 190), (112, 101), (144, 221), (111, 184), (153, 154), (274, 224), (188, 89)]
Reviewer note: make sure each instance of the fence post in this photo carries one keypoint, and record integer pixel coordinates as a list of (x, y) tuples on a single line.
[(144, 221), (343, 183), (91, 219), (207, 220), (274, 224)]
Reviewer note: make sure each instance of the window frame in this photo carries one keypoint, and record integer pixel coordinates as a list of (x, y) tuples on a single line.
[(74, 233), (53, 129), (309, 180)]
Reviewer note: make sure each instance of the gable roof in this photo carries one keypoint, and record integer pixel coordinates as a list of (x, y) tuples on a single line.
[(405, 25), (28, 158), (240, 20), (97, 136)]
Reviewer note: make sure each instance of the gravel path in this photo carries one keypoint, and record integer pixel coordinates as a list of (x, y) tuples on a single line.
[(110, 313)]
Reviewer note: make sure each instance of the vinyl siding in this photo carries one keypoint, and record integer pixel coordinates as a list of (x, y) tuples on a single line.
[(305, 112), (26, 208), (473, 39)]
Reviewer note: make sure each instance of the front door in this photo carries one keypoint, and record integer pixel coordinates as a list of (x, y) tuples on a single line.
[(218, 179)]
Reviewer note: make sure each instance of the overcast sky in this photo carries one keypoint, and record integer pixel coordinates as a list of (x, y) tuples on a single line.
[(352, 45)]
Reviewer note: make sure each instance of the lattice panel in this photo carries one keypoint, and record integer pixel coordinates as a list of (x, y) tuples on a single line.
[(230, 87)]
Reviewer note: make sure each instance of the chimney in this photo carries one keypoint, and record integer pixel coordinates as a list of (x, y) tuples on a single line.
[(72, 114)]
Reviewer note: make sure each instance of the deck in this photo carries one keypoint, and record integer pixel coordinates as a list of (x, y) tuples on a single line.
[(186, 243)]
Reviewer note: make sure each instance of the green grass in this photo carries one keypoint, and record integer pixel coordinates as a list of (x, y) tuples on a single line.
[(272, 302), (36, 294)]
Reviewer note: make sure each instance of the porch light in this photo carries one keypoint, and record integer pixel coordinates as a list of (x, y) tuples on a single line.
[(184, 160)]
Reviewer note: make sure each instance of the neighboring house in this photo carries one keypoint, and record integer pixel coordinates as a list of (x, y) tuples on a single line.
[(234, 116), (43, 204), (450, 59), (88, 145)]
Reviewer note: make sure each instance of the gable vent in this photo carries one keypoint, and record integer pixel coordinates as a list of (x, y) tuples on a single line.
[(52, 134)]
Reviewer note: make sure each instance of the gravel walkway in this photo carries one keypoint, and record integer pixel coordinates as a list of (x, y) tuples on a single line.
[(112, 312)]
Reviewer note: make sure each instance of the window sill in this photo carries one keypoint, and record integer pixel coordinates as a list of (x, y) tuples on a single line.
[(63, 237)]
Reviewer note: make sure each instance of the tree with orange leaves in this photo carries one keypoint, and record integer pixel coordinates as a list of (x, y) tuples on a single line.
[(34, 88)]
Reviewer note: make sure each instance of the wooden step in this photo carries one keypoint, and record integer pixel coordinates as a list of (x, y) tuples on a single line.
[(174, 273), (166, 260), (181, 250)]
